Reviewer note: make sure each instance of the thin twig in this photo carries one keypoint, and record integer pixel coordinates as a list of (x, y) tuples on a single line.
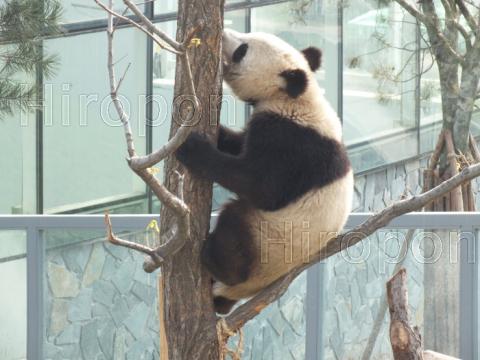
[(152, 28), (431, 22), (137, 25), (112, 238), (123, 77)]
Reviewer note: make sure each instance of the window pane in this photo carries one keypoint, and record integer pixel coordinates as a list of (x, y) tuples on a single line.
[(84, 143), (165, 6), (168, 6), (17, 170), (13, 302), (88, 10), (379, 80)]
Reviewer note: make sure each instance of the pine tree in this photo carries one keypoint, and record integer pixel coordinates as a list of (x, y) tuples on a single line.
[(23, 26)]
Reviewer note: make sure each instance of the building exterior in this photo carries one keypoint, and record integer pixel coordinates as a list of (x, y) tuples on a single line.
[(70, 159)]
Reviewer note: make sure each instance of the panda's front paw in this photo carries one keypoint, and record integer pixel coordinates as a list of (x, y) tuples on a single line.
[(193, 151)]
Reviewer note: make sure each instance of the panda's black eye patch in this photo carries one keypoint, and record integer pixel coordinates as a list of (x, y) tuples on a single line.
[(239, 53)]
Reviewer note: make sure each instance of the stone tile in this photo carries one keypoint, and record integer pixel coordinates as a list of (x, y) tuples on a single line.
[(136, 321), (106, 338), (123, 277), (100, 311), (71, 351), (119, 310), (80, 307), (293, 312), (119, 346), (63, 283), (110, 267), (144, 292), (58, 318), (70, 335), (103, 292), (94, 267), (116, 251), (76, 257), (89, 340)]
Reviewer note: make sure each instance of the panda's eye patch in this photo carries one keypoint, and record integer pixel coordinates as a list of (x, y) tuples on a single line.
[(239, 53)]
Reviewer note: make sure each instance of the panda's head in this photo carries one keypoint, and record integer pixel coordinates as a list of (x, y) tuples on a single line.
[(259, 66)]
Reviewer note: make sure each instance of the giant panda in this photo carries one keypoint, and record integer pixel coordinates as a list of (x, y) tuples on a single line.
[(288, 168)]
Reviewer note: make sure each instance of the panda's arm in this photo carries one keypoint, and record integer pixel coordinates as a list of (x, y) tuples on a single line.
[(230, 141), (262, 173), (202, 158)]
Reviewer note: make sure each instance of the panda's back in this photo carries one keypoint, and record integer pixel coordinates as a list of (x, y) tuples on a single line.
[(288, 160)]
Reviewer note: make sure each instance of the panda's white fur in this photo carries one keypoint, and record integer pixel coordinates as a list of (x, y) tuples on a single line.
[(280, 81)]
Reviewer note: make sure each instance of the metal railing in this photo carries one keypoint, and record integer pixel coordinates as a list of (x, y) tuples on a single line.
[(466, 223)]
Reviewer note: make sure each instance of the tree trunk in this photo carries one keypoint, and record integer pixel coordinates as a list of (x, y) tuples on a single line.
[(466, 99), (189, 319)]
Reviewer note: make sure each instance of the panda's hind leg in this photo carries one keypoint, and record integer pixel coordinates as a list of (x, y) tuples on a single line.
[(228, 252), (223, 305)]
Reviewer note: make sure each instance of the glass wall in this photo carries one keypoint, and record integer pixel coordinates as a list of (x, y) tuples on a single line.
[(371, 58), (18, 177), (83, 144), (379, 117)]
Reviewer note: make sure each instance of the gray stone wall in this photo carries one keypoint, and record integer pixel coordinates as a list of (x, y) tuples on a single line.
[(355, 284), (100, 304), (278, 332)]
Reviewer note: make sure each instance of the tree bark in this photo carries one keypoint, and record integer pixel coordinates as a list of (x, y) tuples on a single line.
[(406, 341), (189, 319), (466, 99)]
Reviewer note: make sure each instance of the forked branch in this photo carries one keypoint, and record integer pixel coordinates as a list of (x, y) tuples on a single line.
[(176, 237)]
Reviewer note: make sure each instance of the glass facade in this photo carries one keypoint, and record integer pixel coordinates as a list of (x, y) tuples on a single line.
[(70, 157)]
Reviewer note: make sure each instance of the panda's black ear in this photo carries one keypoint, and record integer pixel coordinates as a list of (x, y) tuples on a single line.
[(313, 56), (296, 81)]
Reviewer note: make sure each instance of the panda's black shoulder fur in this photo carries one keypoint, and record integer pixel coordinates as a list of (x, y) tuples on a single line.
[(272, 164), (289, 159)]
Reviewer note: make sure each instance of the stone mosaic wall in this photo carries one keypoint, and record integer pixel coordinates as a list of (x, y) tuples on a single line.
[(278, 333), (356, 283), (100, 304), (354, 291)]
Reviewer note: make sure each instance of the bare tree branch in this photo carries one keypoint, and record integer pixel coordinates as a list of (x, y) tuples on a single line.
[(143, 162), (465, 34), (177, 236), (432, 24), (152, 28), (251, 308), (137, 25), (474, 26)]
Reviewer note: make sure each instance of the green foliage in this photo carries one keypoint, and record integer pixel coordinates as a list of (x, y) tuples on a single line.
[(23, 26)]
